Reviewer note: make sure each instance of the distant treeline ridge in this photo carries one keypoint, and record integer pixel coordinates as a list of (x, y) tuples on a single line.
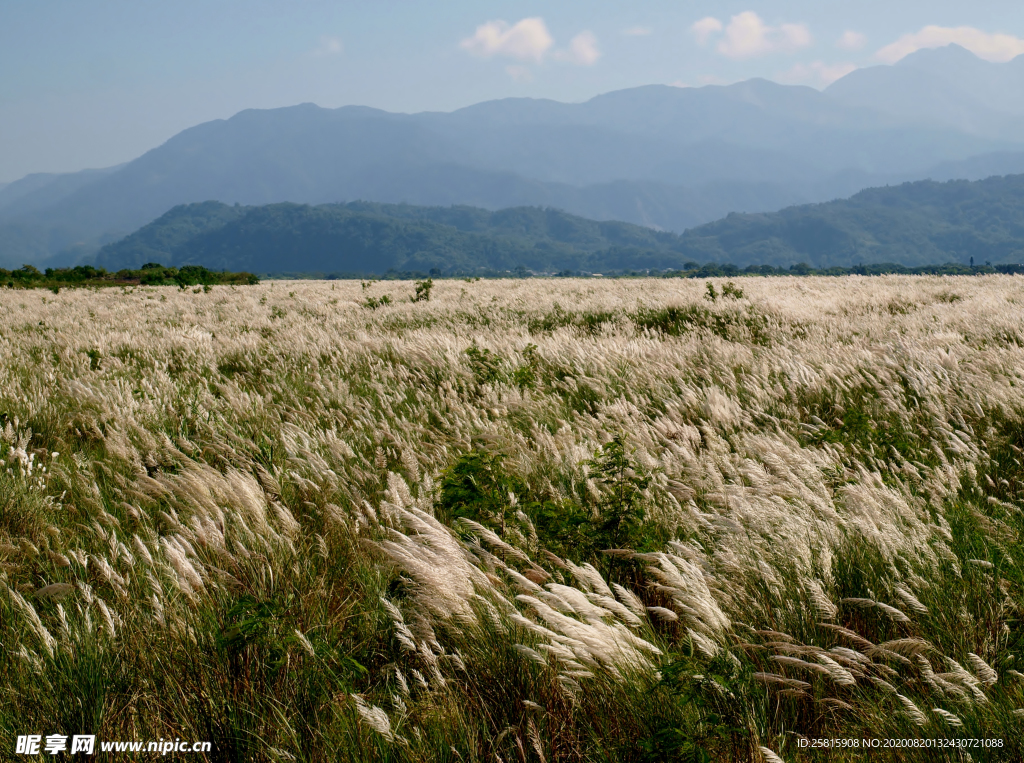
[(150, 274)]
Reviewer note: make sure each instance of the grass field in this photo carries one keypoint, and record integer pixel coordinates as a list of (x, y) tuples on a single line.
[(634, 520)]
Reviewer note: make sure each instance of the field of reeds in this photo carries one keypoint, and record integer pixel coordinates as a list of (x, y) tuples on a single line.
[(560, 520)]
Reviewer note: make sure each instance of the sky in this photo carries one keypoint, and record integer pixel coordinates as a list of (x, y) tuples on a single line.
[(93, 83)]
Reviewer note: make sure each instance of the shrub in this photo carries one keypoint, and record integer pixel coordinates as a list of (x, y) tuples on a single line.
[(423, 290), (486, 366)]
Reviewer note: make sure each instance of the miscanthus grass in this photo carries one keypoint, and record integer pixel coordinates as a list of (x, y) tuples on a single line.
[(520, 521)]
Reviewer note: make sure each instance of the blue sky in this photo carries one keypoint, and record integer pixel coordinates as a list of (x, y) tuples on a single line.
[(91, 83)]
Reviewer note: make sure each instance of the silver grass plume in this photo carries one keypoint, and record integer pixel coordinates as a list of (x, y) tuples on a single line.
[(403, 685), (770, 756), (822, 604), (773, 678), (912, 711), (910, 600), (534, 736), (402, 632), (982, 669), (374, 717), (35, 624), (305, 643), (951, 719), (837, 672), (891, 611)]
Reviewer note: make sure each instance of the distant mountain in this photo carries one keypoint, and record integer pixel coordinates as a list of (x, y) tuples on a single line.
[(28, 233), (664, 157), (947, 86), (980, 167), (999, 86), (38, 191), (914, 224), (661, 156)]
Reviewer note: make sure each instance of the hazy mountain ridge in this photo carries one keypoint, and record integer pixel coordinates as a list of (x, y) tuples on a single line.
[(40, 190), (945, 86), (665, 157)]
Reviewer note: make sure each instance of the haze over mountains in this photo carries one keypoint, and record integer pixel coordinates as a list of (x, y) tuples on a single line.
[(664, 157)]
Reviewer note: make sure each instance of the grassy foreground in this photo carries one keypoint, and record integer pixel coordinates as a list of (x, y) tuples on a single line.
[(520, 521)]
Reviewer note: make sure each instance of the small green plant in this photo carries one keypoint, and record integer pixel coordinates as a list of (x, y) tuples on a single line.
[(728, 324), (712, 295), (525, 377), (365, 284), (476, 487), (55, 289), (479, 487), (423, 290), (716, 727), (277, 312), (588, 322), (486, 366), (621, 511), (732, 291), (373, 303)]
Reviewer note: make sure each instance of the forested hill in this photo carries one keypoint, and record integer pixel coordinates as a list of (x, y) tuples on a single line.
[(913, 224), (362, 238)]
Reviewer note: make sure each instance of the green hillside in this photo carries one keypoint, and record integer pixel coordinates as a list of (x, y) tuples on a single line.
[(365, 238), (913, 225)]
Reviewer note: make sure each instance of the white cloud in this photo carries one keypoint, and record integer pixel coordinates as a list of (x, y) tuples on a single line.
[(637, 31), (817, 73), (850, 40), (748, 36), (329, 46), (582, 50), (991, 47), (706, 27), (527, 40)]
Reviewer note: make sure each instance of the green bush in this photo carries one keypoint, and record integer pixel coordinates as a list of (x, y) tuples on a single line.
[(486, 366), (423, 290)]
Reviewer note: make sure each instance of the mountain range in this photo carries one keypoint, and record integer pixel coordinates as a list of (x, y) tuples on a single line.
[(913, 224), (662, 157)]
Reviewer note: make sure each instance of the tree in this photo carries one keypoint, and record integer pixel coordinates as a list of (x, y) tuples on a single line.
[(423, 290), (621, 510)]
